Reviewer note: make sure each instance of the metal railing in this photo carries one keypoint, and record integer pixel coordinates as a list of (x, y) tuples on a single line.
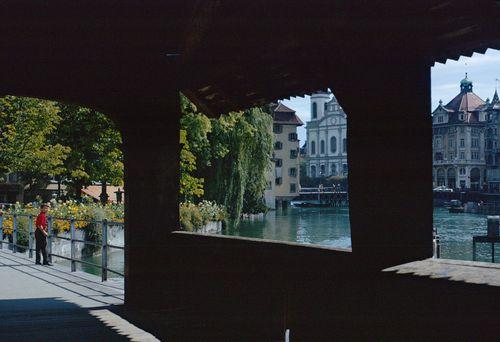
[(104, 245)]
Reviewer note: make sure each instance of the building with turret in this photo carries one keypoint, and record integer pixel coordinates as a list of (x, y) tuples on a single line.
[(465, 139), (326, 152)]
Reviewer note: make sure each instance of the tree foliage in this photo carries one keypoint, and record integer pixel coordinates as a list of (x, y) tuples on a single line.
[(25, 125), (95, 143), (232, 155)]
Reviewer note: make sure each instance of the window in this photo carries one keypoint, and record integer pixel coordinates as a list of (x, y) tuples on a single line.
[(292, 137), (278, 145), (12, 178), (452, 155), (313, 147), (278, 181), (344, 168), (440, 119), (462, 171), (438, 156), (438, 142), (292, 172), (313, 171), (293, 154), (333, 144), (277, 128), (344, 145), (450, 142), (278, 162), (475, 142), (462, 142), (314, 110), (462, 129), (269, 185), (462, 155), (322, 170), (293, 187), (322, 146), (333, 169), (475, 155), (462, 117)]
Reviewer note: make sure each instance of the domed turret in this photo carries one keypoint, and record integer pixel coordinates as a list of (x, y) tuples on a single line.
[(466, 85), (318, 104)]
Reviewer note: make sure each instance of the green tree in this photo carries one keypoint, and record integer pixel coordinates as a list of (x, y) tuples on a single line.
[(25, 125), (190, 186), (95, 143), (243, 142)]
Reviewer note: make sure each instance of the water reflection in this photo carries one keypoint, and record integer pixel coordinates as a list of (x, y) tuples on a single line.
[(320, 226)]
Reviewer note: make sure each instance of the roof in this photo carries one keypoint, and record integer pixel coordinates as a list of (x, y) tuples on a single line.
[(282, 108), (465, 102), (224, 55), (285, 115), (94, 191)]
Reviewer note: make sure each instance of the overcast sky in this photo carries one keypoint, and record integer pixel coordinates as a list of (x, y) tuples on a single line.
[(482, 70)]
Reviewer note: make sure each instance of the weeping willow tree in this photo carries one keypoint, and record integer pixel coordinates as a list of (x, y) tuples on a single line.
[(232, 154), (241, 144)]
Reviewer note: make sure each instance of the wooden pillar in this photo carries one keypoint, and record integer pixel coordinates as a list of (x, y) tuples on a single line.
[(150, 133), (390, 160)]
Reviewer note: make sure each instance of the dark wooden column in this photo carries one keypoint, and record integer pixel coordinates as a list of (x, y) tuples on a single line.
[(151, 148), (390, 160)]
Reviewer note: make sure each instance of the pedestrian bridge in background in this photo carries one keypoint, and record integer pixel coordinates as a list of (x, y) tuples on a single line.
[(50, 303)]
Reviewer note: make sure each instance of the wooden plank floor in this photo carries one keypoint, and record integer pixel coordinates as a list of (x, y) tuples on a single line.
[(42, 303)]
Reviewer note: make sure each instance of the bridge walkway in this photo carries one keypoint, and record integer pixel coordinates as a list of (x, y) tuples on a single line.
[(50, 303)]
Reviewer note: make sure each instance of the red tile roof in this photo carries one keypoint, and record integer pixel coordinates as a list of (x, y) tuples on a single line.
[(465, 102), (284, 115)]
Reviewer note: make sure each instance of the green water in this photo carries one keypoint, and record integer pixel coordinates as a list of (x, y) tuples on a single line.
[(330, 227), (456, 231), (320, 226)]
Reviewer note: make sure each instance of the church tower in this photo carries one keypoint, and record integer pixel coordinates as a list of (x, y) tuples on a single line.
[(319, 100)]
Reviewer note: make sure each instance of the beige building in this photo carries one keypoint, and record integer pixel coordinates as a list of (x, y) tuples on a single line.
[(283, 178)]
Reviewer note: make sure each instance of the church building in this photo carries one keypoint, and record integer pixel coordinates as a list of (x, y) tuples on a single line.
[(326, 137)]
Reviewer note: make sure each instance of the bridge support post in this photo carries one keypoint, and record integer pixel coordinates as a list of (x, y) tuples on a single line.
[(151, 151), (390, 160)]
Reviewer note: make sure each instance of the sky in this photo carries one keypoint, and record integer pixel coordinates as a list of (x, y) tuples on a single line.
[(482, 70)]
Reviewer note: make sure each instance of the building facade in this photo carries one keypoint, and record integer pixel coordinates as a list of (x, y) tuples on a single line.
[(283, 178), (465, 136), (326, 146)]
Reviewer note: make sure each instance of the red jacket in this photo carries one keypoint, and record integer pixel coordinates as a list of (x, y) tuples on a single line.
[(41, 221)]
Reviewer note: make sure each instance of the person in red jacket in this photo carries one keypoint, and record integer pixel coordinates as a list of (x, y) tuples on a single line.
[(41, 234)]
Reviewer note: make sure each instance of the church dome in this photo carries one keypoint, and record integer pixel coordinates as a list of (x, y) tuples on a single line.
[(465, 81)]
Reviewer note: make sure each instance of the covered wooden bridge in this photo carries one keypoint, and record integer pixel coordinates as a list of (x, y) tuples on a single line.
[(130, 59)]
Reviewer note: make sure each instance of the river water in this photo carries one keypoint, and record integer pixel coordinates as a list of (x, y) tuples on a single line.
[(330, 227)]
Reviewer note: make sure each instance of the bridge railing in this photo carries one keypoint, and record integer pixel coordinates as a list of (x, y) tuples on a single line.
[(104, 245)]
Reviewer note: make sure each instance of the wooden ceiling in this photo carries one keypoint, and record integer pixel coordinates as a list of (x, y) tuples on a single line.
[(224, 55)]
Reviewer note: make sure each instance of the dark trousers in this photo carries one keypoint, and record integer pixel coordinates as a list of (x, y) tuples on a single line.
[(41, 246)]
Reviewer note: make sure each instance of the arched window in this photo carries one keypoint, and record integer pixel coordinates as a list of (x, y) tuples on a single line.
[(322, 146), (314, 110), (440, 177), (313, 148), (333, 144), (334, 169)]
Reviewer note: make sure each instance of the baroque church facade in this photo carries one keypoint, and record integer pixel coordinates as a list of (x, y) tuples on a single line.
[(465, 140), (326, 145)]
